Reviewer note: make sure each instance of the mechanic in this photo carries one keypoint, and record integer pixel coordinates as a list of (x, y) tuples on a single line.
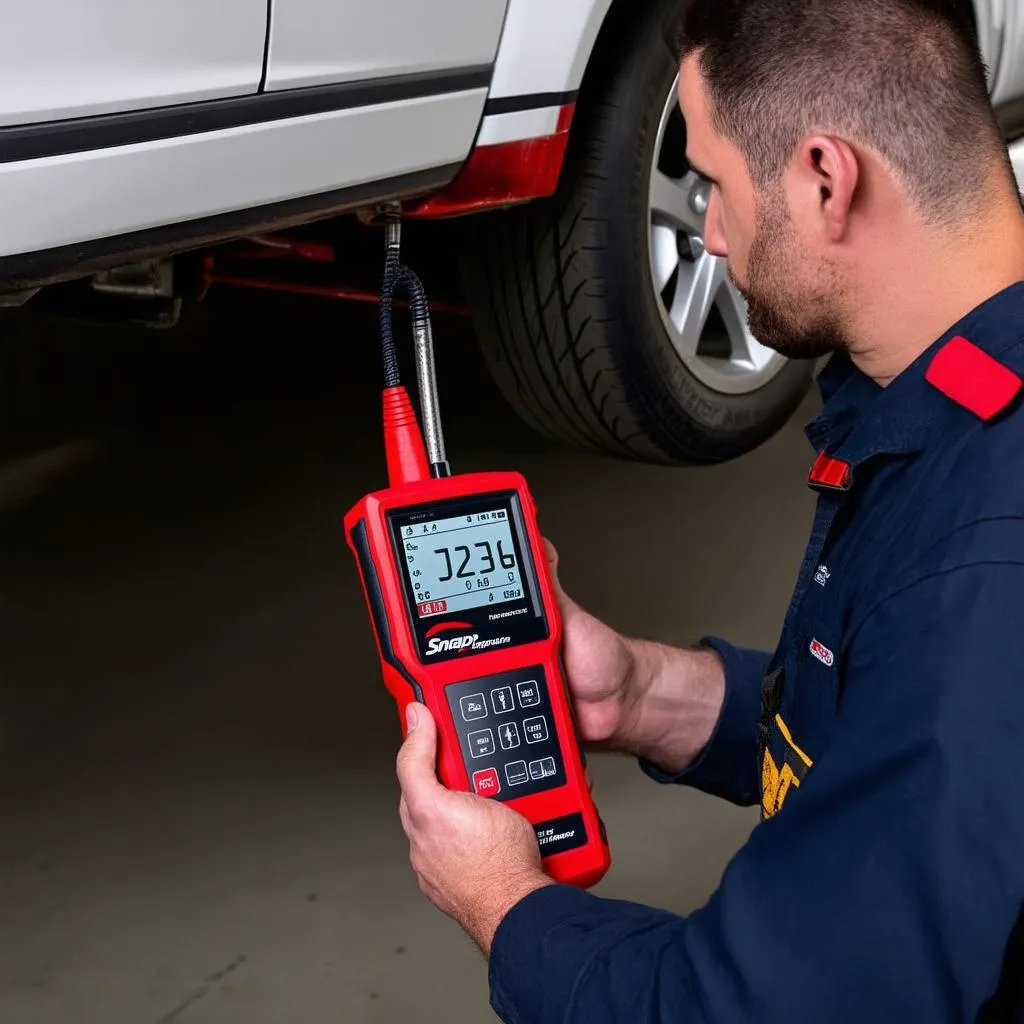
[(863, 196)]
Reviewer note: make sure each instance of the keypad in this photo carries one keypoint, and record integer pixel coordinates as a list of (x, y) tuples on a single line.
[(529, 693), (507, 734), (472, 707), (481, 743), (536, 729), (486, 783), (502, 701)]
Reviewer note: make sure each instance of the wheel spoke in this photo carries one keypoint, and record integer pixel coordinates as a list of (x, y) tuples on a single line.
[(689, 284), (747, 352), (664, 254), (670, 202), (698, 287)]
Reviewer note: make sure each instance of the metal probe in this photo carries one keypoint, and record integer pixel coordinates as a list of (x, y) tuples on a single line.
[(426, 380)]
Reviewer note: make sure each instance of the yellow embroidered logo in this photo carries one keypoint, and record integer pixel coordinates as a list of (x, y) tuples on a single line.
[(777, 780)]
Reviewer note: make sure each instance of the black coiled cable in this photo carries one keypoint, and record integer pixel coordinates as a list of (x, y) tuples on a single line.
[(392, 273), (398, 277)]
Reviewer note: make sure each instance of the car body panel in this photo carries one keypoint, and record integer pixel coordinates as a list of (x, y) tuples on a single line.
[(1008, 86), (316, 42), (90, 195), (990, 19), (517, 125), (546, 45), (61, 59)]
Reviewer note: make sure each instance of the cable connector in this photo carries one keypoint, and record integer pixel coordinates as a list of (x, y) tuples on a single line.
[(403, 439), (393, 231)]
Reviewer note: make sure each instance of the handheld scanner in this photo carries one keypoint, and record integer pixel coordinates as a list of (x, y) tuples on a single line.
[(463, 607)]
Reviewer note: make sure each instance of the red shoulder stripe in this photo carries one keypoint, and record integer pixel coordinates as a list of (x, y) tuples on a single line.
[(972, 378)]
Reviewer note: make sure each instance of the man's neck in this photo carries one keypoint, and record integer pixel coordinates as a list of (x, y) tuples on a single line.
[(917, 294)]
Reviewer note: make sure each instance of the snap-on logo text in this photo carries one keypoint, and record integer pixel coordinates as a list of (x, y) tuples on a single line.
[(455, 643), (466, 642)]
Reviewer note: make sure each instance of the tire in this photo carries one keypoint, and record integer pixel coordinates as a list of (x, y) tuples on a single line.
[(563, 290)]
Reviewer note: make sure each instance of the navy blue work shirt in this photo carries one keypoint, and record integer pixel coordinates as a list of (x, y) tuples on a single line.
[(886, 881)]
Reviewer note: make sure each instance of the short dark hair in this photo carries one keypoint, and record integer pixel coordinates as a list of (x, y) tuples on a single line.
[(905, 77)]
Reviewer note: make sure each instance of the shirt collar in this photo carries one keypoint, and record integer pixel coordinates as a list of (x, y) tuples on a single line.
[(860, 419)]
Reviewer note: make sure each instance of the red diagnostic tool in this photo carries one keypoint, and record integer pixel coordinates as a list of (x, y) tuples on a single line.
[(466, 620)]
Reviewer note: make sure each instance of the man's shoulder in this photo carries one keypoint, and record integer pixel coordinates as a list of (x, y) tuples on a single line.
[(987, 468), (971, 507), (979, 461)]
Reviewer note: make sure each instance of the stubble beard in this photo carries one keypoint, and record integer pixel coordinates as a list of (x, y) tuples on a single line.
[(787, 312)]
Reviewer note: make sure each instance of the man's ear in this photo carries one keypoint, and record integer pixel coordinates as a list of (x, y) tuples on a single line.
[(827, 173)]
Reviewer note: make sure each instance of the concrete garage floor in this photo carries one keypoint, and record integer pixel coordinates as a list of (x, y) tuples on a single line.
[(196, 753)]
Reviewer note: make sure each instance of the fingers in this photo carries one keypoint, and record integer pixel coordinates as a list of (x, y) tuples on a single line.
[(417, 760)]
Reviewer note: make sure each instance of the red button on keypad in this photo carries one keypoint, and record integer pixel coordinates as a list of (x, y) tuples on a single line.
[(486, 782)]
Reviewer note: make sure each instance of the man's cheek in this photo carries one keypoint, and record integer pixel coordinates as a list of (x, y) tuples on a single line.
[(739, 270), (739, 262)]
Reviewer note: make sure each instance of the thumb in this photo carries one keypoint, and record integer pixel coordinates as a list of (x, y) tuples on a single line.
[(565, 603), (417, 760), (552, 553)]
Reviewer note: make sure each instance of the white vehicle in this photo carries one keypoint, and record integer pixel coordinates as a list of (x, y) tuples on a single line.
[(131, 133)]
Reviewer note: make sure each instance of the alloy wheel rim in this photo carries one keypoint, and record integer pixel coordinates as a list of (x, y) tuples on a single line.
[(702, 310)]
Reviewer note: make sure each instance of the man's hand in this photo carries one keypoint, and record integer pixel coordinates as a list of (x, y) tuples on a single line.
[(601, 670), (634, 695), (475, 858)]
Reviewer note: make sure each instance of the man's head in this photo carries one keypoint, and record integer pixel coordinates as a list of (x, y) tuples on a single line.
[(817, 120)]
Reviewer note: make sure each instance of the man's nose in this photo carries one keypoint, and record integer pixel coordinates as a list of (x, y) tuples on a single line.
[(714, 238)]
